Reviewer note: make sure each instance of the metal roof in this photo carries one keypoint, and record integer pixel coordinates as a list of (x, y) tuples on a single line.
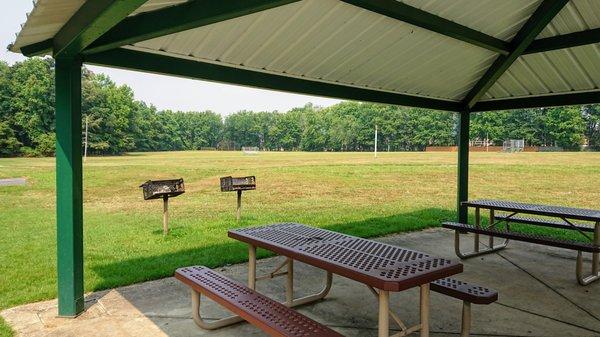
[(48, 16), (339, 43)]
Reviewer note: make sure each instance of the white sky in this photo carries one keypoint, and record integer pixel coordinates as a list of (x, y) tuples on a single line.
[(169, 92)]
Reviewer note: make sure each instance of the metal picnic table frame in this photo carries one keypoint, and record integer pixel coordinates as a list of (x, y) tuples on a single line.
[(381, 267), (566, 214)]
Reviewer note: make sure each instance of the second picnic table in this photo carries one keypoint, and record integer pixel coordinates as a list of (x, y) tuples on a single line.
[(383, 268), (586, 222)]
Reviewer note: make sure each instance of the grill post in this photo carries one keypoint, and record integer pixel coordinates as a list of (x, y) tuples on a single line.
[(238, 184), (163, 189), (239, 204), (165, 215)]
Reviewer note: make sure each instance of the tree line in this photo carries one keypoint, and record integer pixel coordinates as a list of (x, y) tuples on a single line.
[(118, 123)]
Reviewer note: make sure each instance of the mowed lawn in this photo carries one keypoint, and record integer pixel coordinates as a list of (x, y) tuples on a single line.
[(349, 192)]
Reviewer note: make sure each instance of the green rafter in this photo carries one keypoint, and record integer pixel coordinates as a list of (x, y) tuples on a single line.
[(92, 20), (564, 41), (155, 63), (426, 20), (534, 25), (591, 97), (174, 19), (37, 49)]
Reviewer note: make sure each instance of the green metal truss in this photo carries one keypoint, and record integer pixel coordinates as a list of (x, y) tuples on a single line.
[(564, 41), (536, 23), (539, 102), (91, 21), (131, 59), (37, 49), (174, 19), (426, 20)]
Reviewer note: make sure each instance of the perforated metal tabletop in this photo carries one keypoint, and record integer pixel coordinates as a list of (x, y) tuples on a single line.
[(547, 210), (374, 263)]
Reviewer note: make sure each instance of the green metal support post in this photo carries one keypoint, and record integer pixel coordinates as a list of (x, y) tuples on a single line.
[(463, 165), (69, 187)]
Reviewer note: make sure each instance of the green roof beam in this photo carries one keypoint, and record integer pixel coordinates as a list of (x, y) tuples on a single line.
[(546, 11), (420, 18), (92, 20), (161, 64), (564, 41), (580, 98), (38, 48), (174, 19)]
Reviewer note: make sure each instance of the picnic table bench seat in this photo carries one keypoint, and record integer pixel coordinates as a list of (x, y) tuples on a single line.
[(268, 315), (544, 222), (527, 237), (468, 293), (278, 320)]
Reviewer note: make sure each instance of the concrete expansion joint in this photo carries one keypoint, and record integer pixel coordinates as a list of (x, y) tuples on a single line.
[(433, 332), (548, 317), (550, 287)]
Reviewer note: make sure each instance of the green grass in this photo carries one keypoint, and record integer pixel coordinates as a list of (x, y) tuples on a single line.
[(5, 330), (348, 192)]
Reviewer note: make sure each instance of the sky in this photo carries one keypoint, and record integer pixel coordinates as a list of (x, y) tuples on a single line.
[(169, 92)]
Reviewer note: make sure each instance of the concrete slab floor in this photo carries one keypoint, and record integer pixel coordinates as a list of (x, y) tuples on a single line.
[(539, 296)]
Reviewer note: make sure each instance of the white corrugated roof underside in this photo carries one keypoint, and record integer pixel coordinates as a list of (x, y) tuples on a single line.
[(334, 42)]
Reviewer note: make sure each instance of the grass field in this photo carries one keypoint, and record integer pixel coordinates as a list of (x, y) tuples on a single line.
[(348, 192)]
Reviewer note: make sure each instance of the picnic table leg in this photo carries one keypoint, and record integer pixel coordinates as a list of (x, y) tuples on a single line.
[(595, 276), (384, 318), (315, 297), (290, 301), (289, 286), (252, 267), (425, 310), (223, 322), (465, 330)]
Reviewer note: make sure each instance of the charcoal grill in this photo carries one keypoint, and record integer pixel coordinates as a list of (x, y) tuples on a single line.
[(165, 189), (238, 184)]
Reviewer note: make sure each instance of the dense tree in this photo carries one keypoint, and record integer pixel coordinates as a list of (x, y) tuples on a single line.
[(27, 104), (198, 130), (109, 109), (285, 132), (566, 126), (591, 116), (118, 123), (9, 144)]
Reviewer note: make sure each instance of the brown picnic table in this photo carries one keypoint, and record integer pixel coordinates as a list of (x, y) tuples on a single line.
[(586, 222), (381, 267)]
